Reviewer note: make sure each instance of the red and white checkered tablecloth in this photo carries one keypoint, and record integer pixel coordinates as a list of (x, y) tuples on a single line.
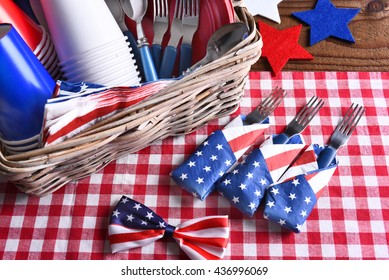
[(350, 220)]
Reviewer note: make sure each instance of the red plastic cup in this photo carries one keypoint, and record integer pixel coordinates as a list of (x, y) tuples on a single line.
[(30, 32)]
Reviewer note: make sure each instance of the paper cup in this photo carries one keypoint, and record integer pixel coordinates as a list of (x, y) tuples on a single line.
[(96, 53), (107, 62), (43, 43), (78, 26), (26, 27), (25, 86), (102, 76), (27, 9)]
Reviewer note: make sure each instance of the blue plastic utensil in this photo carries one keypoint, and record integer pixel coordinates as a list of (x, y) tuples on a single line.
[(135, 10)]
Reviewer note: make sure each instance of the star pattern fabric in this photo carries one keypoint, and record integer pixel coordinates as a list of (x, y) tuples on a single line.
[(326, 20), (279, 46), (215, 156), (290, 201), (245, 185), (133, 225), (265, 8)]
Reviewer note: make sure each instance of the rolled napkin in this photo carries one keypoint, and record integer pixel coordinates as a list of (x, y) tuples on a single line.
[(133, 225), (245, 186), (216, 155), (290, 202)]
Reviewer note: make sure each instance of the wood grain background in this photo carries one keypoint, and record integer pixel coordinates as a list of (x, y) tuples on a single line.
[(370, 29)]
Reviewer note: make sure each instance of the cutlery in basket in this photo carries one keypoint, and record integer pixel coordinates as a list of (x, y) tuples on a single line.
[(170, 52), (160, 27), (136, 10), (190, 23)]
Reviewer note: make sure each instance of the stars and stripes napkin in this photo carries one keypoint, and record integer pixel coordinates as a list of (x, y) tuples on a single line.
[(290, 202), (78, 106), (133, 225), (245, 185), (216, 155)]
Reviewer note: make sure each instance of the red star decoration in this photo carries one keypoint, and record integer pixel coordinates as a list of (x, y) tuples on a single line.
[(279, 46)]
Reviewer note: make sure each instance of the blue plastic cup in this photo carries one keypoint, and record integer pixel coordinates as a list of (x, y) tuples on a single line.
[(25, 86)]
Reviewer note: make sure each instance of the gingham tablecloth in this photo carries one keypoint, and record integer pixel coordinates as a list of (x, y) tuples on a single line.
[(350, 220)]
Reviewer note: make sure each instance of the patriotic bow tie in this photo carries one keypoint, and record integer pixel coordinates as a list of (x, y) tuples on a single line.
[(290, 201), (246, 184), (216, 155), (132, 225)]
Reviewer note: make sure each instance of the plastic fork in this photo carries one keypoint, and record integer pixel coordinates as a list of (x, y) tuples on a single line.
[(190, 23), (170, 52), (300, 121), (341, 135), (160, 26), (268, 105)]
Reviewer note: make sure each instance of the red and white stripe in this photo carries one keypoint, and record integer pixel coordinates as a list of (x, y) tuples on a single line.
[(204, 238), (123, 238), (201, 239), (320, 179), (279, 156), (306, 163), (241, 137), (66, 119)]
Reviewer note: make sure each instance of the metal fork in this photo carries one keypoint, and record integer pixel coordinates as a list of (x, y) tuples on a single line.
[(190, 23), (341, 135), (300, 121), (268, 105), (170, 52), (160, 27)]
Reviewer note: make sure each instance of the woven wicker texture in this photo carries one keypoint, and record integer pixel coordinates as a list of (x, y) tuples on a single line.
[(211, 92)]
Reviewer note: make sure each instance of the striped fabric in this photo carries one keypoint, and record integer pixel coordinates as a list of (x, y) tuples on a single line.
[(133, 225)]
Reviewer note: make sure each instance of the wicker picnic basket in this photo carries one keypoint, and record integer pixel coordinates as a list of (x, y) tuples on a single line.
[(213, 91)]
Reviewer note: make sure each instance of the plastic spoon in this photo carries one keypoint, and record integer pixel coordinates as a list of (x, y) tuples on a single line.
[(221, 42), (117, 11), (135, 10)]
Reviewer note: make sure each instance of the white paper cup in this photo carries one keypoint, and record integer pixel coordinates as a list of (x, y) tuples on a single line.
[(77, 26), (102, 74), (124, 82), (108, 61), (96, 53)]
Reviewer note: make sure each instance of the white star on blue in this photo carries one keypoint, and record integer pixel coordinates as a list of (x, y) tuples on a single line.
[(205, 166), (291, 203)]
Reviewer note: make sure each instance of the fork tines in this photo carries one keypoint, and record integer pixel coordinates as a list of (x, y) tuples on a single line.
[(268, 105), (350, 119), (272, 101), (161, 19), (309, 111)]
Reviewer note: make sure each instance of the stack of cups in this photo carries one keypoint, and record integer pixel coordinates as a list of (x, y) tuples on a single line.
[(90, 45), (34, 35), (25, 87)]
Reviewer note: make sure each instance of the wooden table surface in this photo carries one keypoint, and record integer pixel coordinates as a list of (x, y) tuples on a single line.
[(370, 29)]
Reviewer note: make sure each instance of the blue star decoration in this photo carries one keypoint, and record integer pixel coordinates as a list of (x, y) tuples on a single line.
[(326, 20)]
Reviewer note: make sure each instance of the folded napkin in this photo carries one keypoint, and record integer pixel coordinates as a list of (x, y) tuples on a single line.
[(80, 105), (290, 202), (133, 225), (245, 186), (216, 155)]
